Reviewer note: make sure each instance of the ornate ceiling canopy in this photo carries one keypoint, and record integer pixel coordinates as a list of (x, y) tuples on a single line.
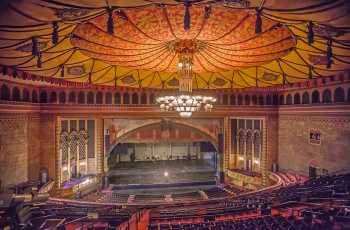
[(234, 43)]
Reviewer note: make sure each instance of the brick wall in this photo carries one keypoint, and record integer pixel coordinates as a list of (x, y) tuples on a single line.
[(295, 151)]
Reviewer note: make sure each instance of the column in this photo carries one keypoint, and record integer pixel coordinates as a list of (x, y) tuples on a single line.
[(99, 146), (58, 152), (264, 170), (227, 144)]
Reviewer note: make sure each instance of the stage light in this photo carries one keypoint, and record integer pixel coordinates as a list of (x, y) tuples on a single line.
[(64, 168), (240, 158), (256, 162), (166, 173)]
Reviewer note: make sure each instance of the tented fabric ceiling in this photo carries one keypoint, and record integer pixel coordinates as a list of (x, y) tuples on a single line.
[(231, 53)]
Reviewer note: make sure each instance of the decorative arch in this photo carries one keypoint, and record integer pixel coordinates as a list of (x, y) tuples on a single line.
[(315, 97), (126, 99), (16, 94), (327, 96), (26, 96), (117, 99), (135, 99), (289, 99), (34, 97), (99, 97), (339, 95), (247, 100), (90, 98), (108, 98), (62, 97), (296, 99), (232, 100), (43, 97), (72, 97), (81, 97), (5, 93), (306, 98), (53, 97)]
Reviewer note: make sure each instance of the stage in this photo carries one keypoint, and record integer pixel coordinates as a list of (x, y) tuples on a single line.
[(163, 173)]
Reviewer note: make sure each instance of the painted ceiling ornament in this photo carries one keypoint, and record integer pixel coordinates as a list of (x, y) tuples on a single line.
[(76, 70), (173, 82), (219, 81), (329, 53), (267, 76), (29, 46), (237, 3), (71, 14), (62, 70), (318, 59), (128, 79), (258, 22), (110, 22), (187, 16)]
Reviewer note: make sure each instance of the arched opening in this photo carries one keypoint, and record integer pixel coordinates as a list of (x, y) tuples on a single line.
[(289, 99), (306, 98), (339, 95), (43, 97), (151, 99), (143, 99), (268, 99), (133, 149), (135, 99), (247, 100), (315, 97), (275, 99), (117, 99), (108, 99), (327, 96), (296, 99), (99, 98), (72, 97), (90, 98), (225, 99), (281, 100), (232, 100), (53, 97), (62, 97), (16, 94), (240, 100), (81, 97), (26, 96), (261, 100), (5, 93), (254, 100), (34, 97), (126, 99)]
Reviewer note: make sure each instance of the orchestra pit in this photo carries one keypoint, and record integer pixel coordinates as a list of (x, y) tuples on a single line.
[(174, 115)]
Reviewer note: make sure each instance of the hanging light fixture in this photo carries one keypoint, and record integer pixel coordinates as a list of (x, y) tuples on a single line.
[(185, 102)]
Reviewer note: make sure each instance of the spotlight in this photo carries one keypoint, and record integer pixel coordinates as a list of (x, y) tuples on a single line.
[(240, 158), (166, 173)]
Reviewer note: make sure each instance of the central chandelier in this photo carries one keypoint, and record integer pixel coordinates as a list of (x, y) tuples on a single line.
[(185, 102)]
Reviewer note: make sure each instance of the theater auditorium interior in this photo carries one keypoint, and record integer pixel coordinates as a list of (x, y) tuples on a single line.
[(174, 114)]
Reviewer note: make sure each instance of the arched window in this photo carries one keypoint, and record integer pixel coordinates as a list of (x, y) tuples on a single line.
[(151, 99), (62, 97), (108, 99), (289, 99), (143, 99), (327, 96), (254, 100), (261, 100), (275, 99), (25, 95), (247, 100), (43, 97), (241, 142), (306, 98), (99, 98), (281, 101), (90, 98), (126, 99), (16, 95), (257, 145), (315, 97), (53, 97), (240, 100), (225, 99), (117, 99), (268, 99), (249, 145), (339, 95), (34, 97), (135, 99), (5, 93), (81, 97), (71, 98), (296, 99), (232, 100)]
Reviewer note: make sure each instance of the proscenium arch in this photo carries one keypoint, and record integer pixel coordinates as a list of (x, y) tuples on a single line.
[(213, 140)]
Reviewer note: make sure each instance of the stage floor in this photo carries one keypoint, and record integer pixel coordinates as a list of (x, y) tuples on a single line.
[(162, 172)]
